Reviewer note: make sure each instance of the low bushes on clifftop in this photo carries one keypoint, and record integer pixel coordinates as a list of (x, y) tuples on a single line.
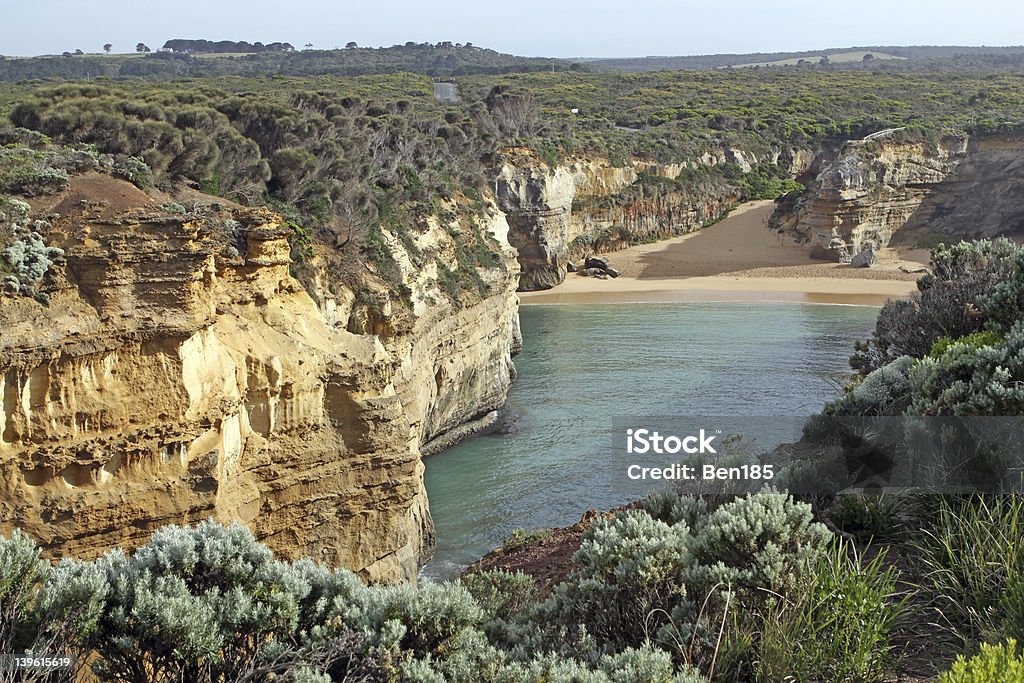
[(652, 599)]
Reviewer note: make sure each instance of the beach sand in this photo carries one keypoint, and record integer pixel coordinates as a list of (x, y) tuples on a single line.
[(738, 259)]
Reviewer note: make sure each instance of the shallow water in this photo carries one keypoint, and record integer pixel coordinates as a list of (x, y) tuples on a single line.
[(584, 366)]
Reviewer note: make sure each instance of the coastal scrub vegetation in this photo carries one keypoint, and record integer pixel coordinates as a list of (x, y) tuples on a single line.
[(344, 156), (335, 165), (953, 347), (679, 589), (711, 592), (206, 59)]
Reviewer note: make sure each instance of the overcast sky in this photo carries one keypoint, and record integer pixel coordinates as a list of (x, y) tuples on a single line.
[(559, 28)]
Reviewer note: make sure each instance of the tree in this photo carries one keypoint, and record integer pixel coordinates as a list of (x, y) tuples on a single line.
[(351, 45), (142, 47), (107, 48), (868, 57)]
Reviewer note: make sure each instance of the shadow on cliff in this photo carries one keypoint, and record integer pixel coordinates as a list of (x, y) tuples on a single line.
[(980, 199)]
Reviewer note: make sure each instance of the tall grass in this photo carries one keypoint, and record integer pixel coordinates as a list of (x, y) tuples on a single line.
[(837, 627), (973, 558)]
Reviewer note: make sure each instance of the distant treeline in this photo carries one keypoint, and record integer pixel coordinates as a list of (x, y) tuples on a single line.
[(949, 57), (220, 46), (440, 60)]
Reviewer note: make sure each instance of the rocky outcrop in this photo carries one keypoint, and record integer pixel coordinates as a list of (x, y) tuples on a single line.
[(537, 201), (587, 205), (181, 373), (890, 188)]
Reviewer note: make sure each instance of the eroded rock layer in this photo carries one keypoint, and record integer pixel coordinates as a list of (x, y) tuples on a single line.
[(179, 372), (588, 205), (890, 188)]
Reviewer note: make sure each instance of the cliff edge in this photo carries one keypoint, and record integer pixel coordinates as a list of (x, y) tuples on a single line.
[(169, 368)]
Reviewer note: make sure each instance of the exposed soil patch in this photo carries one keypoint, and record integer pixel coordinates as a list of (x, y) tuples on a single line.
[(97, 194), (547, 560)]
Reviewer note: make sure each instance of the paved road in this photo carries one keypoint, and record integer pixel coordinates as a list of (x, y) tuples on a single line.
[(446, 92)]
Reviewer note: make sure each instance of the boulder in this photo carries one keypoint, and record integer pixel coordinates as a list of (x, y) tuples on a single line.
[(866, 258), (601, 264), (570, 267), (593, 272)]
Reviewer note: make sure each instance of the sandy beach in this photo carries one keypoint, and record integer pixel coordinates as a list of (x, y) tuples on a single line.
[(738, 259)]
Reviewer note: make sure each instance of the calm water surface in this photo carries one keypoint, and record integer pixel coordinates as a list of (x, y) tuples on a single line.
[(583, 365)]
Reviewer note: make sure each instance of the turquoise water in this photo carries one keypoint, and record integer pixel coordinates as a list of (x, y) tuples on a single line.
[(584, 365)]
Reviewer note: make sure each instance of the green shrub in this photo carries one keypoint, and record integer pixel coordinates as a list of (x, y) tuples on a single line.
[(24, 256), (26, 172), (672, 508), (866, 517), (132, 169), (885, 391), (207, 604), (836, 626), (972, 341), (520, 538), (422, 622), (44, 609), (994, 664), (645, 665), (501, 593), (633, 665), (962, 279), (982, 374)]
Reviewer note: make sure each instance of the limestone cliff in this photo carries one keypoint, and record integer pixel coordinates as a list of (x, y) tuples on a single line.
[(893, 188), (179, 372), (588, 205), (456, 366)]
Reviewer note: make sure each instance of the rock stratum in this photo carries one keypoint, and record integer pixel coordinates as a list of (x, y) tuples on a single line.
[(584, 206), (180, 372), (894, 190)]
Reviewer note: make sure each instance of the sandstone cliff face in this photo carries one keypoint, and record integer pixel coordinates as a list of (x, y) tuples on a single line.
[(456, 366), (875, 191), (174, 378), (557, 214)]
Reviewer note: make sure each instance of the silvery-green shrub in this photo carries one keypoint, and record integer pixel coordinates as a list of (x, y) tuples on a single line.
[(763, 540), (885, 391), (972, 379), (46, 610), (949, 302), (670, 507), (210, 603), (630, 574)]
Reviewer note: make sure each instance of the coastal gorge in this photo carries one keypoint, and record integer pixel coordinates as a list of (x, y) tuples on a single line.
[(270, 305)]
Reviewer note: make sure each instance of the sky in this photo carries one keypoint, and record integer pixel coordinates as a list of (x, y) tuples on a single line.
[(555, 28)]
